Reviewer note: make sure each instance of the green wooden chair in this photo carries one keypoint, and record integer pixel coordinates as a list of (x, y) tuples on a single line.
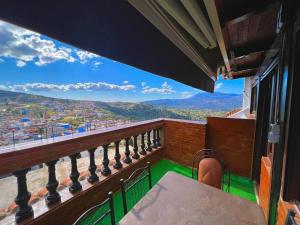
[(100, 214), (135, 187)]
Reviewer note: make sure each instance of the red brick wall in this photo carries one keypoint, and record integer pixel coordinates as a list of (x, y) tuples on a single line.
[(183, 139), (234, 139)]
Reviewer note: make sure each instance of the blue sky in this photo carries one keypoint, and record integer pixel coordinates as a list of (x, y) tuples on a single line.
[(33, 63)]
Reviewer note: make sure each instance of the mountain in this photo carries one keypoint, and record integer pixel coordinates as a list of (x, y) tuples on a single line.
[(124, 110), (134, 111), (202, 101), (24, 98)]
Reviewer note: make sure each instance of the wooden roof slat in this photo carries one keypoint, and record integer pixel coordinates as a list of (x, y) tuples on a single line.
[(251, 28), (244, 73), (248, 61)]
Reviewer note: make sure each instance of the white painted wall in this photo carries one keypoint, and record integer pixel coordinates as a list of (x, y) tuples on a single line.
[(247, 92)]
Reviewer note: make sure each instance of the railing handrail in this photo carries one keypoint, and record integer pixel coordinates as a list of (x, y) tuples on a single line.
[(27, 155)]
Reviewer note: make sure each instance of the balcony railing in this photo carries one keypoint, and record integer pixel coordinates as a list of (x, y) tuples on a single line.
[(20, 158), (177, 140)]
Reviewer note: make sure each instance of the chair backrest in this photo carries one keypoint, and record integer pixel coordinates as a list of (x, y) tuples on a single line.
[(135, 187), (102, 213), (202, 154), (210, 153), (290, 218)]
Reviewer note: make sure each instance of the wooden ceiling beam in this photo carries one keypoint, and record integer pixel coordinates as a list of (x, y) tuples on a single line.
[(251, 60), (215, 22), (244, 73)]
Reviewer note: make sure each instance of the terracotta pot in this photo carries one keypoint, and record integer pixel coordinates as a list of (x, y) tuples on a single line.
[(210, 172)]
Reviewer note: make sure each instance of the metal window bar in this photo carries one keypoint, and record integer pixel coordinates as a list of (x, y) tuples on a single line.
[(133, 186), (110, 211)]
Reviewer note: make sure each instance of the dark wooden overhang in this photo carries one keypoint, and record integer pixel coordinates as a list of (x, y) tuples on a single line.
[(248, 31), (113, 29)]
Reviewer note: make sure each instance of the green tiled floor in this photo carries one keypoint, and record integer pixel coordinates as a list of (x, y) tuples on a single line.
[(240, 186)]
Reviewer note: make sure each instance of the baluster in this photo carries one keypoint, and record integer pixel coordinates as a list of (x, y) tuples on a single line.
[(92, 168), (158, 137), (127, 159), (75, 186), (24, 210), (135, 148), (143, 152), (149, 148), (154, 145), (105, 170), (117, 164), (52, 195)]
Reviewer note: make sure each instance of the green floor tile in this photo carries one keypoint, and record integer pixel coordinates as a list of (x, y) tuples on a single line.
[(239, 186)]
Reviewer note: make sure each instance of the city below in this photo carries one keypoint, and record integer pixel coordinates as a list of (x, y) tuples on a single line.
[(26, 117)]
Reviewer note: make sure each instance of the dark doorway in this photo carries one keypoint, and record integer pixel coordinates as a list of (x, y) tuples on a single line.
[(264, 117)]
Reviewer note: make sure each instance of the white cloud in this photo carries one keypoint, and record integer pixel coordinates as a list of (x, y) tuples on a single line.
[(48, 52), (97, 64), (84, 56), (89, 86), (13, 44), (143, 83), (125, 82), (68, 50), (218, 86), (164, 89), (146, 87), (2, 87), (165, 84), (186, 94), (18, 31), (27, 46), (20, 63)]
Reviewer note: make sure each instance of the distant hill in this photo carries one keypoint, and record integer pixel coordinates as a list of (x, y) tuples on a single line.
[(23, 98), (202, 101), (126, 110)]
